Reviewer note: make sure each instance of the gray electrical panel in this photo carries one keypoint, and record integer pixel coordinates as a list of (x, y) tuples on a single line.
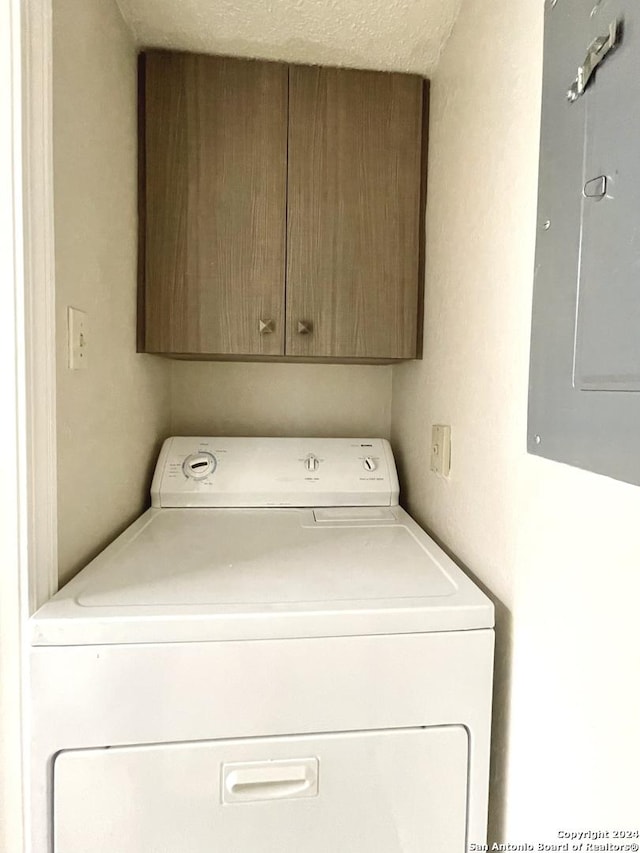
[(584, 405)]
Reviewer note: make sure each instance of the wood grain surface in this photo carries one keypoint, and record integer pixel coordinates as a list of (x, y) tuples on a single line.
[(215, 140), (354, 194)]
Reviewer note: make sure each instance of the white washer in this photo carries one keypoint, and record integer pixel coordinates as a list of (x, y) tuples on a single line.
[(273, 658)]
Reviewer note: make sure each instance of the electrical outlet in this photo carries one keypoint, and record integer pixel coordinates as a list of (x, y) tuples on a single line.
[(77, 339), (441, 449)]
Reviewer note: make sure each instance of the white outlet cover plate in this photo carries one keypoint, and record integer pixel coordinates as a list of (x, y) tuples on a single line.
[(77, 339), (441, 449)]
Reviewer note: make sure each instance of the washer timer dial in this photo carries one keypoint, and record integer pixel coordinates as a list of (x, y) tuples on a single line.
[(198, 466)]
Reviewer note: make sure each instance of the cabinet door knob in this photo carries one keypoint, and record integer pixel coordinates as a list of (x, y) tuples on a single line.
[(266, 327), (305, 327)]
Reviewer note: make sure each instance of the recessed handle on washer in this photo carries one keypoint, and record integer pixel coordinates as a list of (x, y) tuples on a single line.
[(269, 780)]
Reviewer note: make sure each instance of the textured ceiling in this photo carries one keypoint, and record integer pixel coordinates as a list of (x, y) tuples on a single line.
[(400, 35)]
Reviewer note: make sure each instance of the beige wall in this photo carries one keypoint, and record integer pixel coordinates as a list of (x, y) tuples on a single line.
[(13, 498), (110, 416), (280, 399), (558, 547)]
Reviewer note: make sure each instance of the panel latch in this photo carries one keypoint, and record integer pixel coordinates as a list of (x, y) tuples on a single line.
[(597, 51), (596, 187)]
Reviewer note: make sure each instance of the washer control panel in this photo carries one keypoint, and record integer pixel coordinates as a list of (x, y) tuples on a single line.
[(275, 472)]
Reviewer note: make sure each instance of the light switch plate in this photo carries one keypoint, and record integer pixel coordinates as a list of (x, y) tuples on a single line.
[(441, 449), (77, 339)]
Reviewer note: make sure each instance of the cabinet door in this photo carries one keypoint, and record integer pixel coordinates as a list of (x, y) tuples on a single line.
[(215, 145), (354, 213)]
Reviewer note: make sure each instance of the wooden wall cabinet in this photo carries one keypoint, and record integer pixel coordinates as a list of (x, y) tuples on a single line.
[(281, 210)]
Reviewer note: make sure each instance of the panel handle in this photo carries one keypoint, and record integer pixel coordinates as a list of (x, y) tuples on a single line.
[(596, 187), (597, 52), (266, 327), (269, 780), (305, 327)]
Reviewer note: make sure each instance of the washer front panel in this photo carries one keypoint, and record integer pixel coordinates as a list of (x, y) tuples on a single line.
[(86, 697), (400, 791)]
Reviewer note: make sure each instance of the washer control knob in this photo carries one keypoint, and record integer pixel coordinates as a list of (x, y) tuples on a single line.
[(312, 463), (369, 463), (198, 466)]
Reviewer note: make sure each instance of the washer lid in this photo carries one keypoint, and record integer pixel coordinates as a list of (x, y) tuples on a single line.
[(223, 574)]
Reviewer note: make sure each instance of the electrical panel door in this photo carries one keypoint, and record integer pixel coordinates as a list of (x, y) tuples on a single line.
[(585, 349), (608, 327)]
